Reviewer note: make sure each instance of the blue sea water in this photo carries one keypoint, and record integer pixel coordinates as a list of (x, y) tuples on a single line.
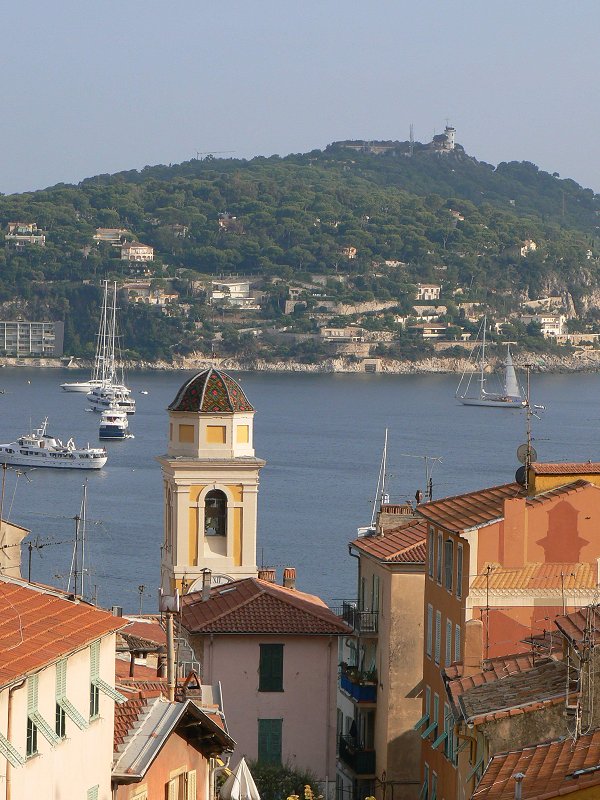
[(322, 438)]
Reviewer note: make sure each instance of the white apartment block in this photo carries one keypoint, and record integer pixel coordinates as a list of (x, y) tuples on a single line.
[(428, 291), (25, 339)]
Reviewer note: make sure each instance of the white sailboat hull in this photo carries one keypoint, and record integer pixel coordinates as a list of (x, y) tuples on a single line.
[(82, 386), (499, 403)]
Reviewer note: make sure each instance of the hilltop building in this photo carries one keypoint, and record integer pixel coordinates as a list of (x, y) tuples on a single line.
[(136, 251), (20, 234), (23, 339)]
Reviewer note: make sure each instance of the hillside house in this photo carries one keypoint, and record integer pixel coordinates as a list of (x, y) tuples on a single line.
[(528, 246), (428, 291), (429, 330), (551, 325), (20, 234), (136, 251), (234, 292), (428, 313), (112, 236), (348, 334), (349, 252)]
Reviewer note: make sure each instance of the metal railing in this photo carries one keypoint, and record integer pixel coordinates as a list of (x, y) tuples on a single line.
[(358, 758), (362, 622)]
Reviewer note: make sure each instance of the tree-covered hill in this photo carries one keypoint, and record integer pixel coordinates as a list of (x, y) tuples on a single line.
[(446, 217)]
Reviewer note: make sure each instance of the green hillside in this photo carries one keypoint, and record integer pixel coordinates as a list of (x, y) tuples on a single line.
[(446, 217)]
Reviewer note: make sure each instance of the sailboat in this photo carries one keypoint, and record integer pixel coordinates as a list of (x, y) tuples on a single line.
[(111, 392), (381, 495), (96, 376), (509, 397)]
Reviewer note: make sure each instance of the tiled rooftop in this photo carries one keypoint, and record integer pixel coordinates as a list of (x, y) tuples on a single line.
[(406, 544), (585, 468), (126, 716), (551, 769), (40, 625), (494, 669), (538, 576), (252, 605), (574, 625), (517, 693), (465, 511), (211, 391)]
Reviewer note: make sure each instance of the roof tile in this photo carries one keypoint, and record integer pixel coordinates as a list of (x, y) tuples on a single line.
[(405, 544)]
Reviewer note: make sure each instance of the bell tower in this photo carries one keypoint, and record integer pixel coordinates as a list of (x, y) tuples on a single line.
[(210, 478)]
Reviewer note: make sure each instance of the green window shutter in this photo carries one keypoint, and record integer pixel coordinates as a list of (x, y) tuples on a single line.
[(92, 794), (32, 694), (269, 740), (61, 680), (94, 660), (270, 670), (108, 690), (10, 753)]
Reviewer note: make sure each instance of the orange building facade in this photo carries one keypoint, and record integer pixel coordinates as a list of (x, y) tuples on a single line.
[(501, 564)]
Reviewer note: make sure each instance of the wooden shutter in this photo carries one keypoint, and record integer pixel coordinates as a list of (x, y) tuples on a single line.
[(32, 694), (429, 630), (94, 660), (270, 740), (61, 679), (438, 635), (172, 787), (270, 668), (459, 570), (448, 642), (191, 785)]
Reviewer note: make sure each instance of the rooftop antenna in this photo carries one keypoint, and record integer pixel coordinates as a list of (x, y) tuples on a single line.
[(430, 462), (411, 146), (78, 557)]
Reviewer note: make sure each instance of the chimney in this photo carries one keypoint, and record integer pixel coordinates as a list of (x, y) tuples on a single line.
[(473, 649), (289, 577), (515, 532), (268, 574), (206, 576), (117, 611)]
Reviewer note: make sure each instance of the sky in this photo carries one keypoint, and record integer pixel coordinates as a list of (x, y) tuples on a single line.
[(99, 87)]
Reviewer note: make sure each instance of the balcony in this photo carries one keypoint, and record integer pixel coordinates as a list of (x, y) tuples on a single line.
[(361, 686), (362, 622), (360, 760)]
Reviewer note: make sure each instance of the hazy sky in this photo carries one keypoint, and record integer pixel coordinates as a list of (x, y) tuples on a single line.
[(94, 87)]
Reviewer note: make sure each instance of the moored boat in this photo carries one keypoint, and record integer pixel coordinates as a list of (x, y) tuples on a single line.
[(40, 449), (113, 424)]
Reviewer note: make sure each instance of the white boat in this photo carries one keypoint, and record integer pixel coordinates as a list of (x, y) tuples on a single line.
[(510, 394), (82, 386), (113, 424), (98, 370), (111, 390), (39, 449)]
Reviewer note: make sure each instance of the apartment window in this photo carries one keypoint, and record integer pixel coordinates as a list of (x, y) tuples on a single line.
[(448, 563), (94, 674), (448, 730), (438, 635), (215, 513), (457, 643), (270, 669), (448, 642), (429, 629), (31, 747), (427, 700), (375, 594), (436, 713), (459, 570), (35, 721), (430, 553), (438, 568), (269, 740)]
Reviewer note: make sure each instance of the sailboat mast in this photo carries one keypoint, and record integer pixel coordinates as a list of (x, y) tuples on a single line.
[(482, 365), (380, 490)]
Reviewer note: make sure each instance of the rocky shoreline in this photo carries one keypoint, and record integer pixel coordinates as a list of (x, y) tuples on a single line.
[(584, 361)]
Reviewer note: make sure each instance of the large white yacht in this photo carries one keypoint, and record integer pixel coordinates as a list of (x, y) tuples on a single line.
[(40, 449)]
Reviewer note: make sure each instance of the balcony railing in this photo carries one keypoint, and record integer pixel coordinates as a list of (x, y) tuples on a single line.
[(361, 686), (358, 758), (362, 622)]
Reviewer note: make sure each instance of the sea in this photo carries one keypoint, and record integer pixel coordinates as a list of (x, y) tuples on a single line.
[(322, 437)]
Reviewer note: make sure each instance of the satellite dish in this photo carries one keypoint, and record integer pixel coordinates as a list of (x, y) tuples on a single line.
[(521, 475), (522, 451)]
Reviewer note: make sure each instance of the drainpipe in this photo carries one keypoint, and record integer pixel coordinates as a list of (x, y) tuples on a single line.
[(214, 774), (330, 722), (170, 657), (9, 736)]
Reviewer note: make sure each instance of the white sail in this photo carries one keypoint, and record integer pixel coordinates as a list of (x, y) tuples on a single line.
[(511, 386)]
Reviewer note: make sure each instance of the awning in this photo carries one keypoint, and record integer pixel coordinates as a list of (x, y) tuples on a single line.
[(429, 730), (441, 738), (421, 722)]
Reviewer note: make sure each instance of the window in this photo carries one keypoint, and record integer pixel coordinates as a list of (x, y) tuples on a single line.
[(215, 513), (64, 707), (31, 746), (438, 635), (269, 740), (448, 642), (438, 568), (427, 700), (430, 553), (449, 730), (436, 713), (216, 434), (429, 629), (243, 434), (94, 672), (270, 668), (425, 788), (457, 643), (459, 570), (186, 434), (448, 563), (375, 594), (60, 723)]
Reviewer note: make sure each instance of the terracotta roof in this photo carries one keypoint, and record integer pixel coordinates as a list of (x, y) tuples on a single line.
[(40, 626), (551, 769), (574, 625), (142, 632), (494, 669), (538, 576), (465, 511), (141, 671), (211, 391), (586, 468), (126, 716), (406, 543), (252, 605), (515, 694)]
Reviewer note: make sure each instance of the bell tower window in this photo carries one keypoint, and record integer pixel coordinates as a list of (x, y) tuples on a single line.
[(215, 513)]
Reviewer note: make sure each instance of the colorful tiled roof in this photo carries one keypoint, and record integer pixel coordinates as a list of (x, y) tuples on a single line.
[(211, 392), (126, 716), (406, 544), (494, 669), (515, 694), (143, 632), (585, 468), (551, 769), (252, 605), (465, 511), (40, 625), (538, 576), (574, 625)]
